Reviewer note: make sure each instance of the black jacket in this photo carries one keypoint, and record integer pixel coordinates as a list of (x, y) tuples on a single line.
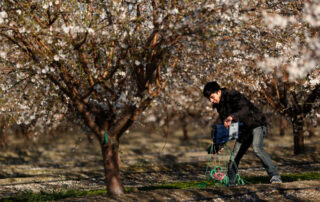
[(232, 103)]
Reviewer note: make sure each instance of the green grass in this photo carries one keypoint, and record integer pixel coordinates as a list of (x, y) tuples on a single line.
[(51, 196), (181, 185)]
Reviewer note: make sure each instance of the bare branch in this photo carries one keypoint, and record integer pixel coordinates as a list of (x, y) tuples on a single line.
[(105, 73)]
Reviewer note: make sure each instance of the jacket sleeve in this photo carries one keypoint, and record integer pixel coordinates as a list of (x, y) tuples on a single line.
[(241, 106)]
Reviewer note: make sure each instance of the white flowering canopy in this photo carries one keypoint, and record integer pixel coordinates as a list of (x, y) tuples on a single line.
[(75, 59)]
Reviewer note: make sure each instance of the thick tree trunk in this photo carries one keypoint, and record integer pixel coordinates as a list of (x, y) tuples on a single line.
[(111, 168), (297, 124)]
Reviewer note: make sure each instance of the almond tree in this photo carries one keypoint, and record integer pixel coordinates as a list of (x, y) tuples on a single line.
[(100, 63), (294, 87)]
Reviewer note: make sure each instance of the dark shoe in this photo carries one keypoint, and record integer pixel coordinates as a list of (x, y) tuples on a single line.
[(275, 179)]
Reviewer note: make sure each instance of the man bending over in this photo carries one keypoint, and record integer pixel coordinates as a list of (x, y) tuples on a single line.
[(233, 106)]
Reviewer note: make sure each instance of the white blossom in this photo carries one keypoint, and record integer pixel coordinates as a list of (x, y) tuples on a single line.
[(3, 14), (3, 54), (91, 31), (22, 30), (56, 58), (315, 81), (174, 11), (65, 28), (137, 62), (312, 13), (45, 6), (272, 20)]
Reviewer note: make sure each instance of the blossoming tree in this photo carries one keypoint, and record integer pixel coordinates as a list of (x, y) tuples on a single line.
[(293, 68), (100, 63)]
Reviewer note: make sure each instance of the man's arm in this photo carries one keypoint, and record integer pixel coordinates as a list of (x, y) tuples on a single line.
[(242, 107), (227, 121)]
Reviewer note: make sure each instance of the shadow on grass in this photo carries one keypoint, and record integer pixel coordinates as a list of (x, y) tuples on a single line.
[(43, 196), (285, 178)]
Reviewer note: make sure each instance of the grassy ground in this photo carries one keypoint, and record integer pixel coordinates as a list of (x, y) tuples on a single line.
[(251, 181), (69, 168)]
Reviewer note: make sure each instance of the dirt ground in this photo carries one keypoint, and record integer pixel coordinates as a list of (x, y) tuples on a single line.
[(70, 161)]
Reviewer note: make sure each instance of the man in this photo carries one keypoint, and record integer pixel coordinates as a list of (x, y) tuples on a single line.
[(233, 106)]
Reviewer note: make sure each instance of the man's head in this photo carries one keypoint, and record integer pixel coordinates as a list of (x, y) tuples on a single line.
[(212, 91)]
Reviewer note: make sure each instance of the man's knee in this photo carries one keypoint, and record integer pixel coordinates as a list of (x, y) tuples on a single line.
[(257, 150)]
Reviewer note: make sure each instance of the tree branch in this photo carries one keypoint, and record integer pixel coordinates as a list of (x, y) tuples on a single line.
[(314, 95)]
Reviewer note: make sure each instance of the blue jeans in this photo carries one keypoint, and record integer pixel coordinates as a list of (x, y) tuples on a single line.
[(240, 149)]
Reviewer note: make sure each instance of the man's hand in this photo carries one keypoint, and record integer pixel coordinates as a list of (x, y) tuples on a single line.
[(215, 148), (227, 121), (220, 150)]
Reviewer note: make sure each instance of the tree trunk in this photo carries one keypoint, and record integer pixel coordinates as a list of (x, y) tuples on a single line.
[(185, 132), (111, 168), (297, 124), (184, 126), (283, 126)]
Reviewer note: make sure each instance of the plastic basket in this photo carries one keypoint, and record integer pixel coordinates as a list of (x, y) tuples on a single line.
[(222, 135)]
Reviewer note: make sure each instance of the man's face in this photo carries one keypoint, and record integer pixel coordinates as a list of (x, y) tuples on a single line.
[(215, 97)]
